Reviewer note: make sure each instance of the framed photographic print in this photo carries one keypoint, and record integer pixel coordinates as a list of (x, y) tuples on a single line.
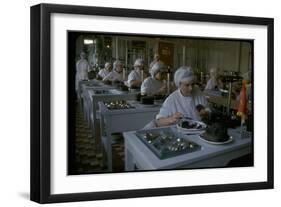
[(132, 103)]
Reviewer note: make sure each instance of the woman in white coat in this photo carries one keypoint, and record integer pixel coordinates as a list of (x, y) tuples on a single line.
[(187, 101), (154, 85), (212, 82), (116, 74), (134, 78), (82, 69), (105, 71)]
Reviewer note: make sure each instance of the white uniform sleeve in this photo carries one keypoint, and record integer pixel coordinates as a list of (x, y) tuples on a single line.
[(119, 77), (131, 77), (89, 68), (109, 76), (211, 84), (166, 110), (145, 86), (86, 77), (100, 73), (77, 66), (199, 98)]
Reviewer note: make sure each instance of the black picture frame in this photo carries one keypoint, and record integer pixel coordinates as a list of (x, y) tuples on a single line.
[(40, 185)]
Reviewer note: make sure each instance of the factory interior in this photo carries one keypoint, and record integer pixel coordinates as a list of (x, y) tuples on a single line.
[(145, 103)]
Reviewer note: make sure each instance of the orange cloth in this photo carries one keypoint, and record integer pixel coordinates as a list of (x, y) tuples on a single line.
[(242, 109)]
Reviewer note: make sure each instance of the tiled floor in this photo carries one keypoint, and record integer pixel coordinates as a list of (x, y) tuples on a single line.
[(87, 161)]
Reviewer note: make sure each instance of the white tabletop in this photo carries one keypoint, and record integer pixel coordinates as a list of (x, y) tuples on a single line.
[(145, 159)]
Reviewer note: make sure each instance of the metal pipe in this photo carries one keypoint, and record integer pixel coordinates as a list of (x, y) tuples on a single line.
[(201, 77), (168, 83), (124, 73), (229, 98), (142, 76)]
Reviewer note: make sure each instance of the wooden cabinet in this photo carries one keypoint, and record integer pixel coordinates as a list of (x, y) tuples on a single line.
[(166, 52)]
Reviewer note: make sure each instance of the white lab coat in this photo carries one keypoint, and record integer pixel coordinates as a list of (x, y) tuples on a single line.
[(186, 105), (134, 75), (103, 73), (113, 75), (82, 69), (211, 84), (151, 86)]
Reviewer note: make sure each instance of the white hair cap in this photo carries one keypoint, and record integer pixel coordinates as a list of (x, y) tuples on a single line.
[(213, 72), (157, 67), (117, 62), (139, 62), (184, 73), (107, 64)]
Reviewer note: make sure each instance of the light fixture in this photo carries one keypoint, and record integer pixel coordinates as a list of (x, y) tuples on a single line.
[(88, 41)]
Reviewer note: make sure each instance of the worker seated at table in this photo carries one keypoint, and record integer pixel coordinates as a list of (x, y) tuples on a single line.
[(156, 59), (105, 71), (212, 83), (135, 76), (186, 101), (116, 74), (155, 85)]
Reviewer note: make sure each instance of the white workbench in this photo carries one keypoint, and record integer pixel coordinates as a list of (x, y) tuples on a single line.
[(91, 100), (138, 155), (122, 120), (90, 84)]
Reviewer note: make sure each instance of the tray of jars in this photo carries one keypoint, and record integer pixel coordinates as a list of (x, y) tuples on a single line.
[(166, 143), (118, 104)]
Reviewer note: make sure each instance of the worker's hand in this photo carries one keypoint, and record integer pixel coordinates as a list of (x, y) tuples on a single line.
[(99, 77), (203, 113), (135, 83), (175, 118)]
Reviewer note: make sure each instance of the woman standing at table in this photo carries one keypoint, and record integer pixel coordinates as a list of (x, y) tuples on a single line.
[(186, 101), (82, 69), (154, 85)]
